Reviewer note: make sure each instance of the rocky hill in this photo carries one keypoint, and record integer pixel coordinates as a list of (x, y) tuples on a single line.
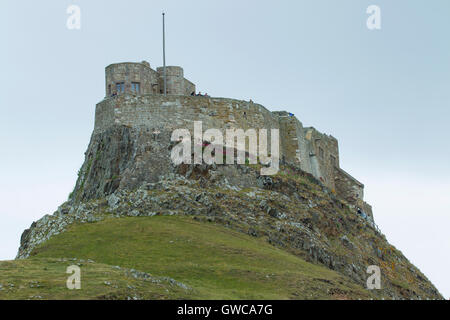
[(220, 231)]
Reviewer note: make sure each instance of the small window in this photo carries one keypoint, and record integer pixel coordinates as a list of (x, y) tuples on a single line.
[(136, 87), (109, 89), (120, 87), (321, 153)]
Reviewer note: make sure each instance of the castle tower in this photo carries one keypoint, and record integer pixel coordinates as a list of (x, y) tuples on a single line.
[(138, 78), (175, 80), (130, 77)]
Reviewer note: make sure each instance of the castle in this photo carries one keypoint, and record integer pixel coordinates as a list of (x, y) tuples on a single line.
[(140, 78), (307, 210), (135, 99)]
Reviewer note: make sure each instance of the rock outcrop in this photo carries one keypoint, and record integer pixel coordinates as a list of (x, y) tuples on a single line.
[(128, 172)]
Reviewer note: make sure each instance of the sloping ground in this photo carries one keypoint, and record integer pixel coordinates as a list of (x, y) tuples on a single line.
[(290, 211), (45, 279), (213, 261)]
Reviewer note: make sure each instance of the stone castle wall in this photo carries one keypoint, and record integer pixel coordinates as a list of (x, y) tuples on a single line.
[(293, 141), (324, 154), (176, 83), (310, 150), (129, 73), (175, 112), (326, 167), (189, 87), (347, 187)]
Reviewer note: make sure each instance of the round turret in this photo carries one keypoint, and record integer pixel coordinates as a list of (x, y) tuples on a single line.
[(175, 80)]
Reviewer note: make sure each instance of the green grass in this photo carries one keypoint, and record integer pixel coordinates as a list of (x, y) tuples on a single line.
[(217, 262), (37, 279)]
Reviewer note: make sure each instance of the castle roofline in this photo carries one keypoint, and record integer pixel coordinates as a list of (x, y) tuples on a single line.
[(169, 67), (320, 133), (144, 63)]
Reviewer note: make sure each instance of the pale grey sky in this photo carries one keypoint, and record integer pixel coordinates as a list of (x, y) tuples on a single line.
[(384, 94)]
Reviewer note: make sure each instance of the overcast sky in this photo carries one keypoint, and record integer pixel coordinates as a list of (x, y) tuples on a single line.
[(384, 94)]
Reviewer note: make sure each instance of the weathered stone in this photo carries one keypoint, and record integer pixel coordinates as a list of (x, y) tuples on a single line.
[(113, 201), (128, 168)]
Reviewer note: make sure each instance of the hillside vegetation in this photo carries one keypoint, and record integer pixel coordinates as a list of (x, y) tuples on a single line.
[(227, 232), (212, 261)]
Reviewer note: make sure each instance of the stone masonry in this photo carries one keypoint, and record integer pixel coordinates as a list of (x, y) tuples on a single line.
[(134, 100), (140, 78)]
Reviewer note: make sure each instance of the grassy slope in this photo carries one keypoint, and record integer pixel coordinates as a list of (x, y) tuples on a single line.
[(217, 262), (36, 279)]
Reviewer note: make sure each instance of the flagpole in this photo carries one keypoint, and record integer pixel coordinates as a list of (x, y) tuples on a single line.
[(164, 55)]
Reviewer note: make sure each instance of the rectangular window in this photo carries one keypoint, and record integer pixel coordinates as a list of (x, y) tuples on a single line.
[(120, 87), (136, 87), (109, 89)]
